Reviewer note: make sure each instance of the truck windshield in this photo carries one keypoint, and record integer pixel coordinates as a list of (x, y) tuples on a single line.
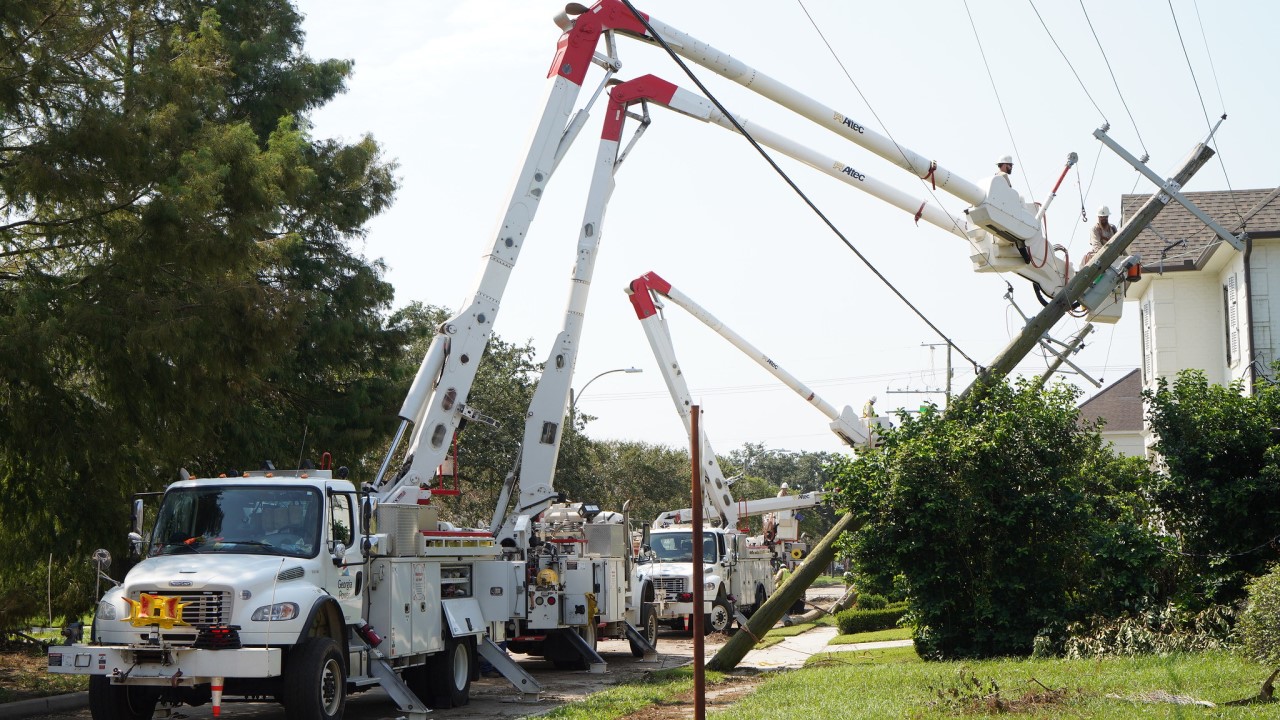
[(678, 547), (259, 520)]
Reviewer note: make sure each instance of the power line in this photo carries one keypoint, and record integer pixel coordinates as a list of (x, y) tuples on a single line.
[(1113, 79), (786, 178), (927, 186), (848, 76), (1221, 163), (1068, 61), (999, 103)]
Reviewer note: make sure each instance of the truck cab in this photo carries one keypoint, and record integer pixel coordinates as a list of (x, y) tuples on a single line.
[(736, 575)]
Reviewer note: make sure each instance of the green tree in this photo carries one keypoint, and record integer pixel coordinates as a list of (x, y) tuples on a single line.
[(178, 282), (764, 470), (1220, 496), (654, 478), (1005, 517)]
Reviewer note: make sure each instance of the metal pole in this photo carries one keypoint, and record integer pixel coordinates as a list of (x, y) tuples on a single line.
[(695, 621)]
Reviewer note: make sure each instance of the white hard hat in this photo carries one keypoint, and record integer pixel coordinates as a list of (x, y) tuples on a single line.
[(1005, 159), (785, 486), (1104, 211)]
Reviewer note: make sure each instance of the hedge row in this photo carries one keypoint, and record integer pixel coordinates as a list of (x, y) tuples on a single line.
[(859, 620)]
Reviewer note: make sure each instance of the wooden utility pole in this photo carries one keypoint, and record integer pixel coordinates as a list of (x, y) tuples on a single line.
[(765, 616), (824, 552), (696, 620), (1077, 285)]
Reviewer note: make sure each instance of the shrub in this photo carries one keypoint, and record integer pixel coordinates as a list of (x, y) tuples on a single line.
[(872, 602), (1155, 632), (1260, 622), (860, 620)]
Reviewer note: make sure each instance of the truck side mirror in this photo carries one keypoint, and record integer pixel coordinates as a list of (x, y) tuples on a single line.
[(135, 544), (137, 516), (339, 552)]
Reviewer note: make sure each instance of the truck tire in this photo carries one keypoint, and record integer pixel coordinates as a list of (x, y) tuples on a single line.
[(315, 681), (648, 628), (120, 702), (721, 617), (449, 673)]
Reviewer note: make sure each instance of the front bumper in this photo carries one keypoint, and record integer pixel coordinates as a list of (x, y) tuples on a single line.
[(164, 665)]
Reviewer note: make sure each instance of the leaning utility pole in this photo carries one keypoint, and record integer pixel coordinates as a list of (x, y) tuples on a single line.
[(1084, 279), (728, 656), (824, 552)]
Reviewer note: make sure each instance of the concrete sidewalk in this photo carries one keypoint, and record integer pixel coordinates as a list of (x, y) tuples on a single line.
[(792, 652)]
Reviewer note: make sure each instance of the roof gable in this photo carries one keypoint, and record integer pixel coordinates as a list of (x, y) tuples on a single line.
[(1119, 404)]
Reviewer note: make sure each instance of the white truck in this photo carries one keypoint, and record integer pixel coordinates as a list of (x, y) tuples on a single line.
[(269, 584), (265, 585), (738, 569)]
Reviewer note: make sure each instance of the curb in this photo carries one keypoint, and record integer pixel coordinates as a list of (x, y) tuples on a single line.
[(45, 705)]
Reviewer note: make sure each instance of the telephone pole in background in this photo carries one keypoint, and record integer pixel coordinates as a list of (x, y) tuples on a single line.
[(928, 390)]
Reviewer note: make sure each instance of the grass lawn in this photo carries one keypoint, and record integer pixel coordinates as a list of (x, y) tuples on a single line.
[(893, 684)]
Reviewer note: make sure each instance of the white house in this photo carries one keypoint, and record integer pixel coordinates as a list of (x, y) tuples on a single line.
[(1201, 303)]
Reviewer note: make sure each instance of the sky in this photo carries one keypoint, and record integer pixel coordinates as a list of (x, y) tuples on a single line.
[(452, 90)]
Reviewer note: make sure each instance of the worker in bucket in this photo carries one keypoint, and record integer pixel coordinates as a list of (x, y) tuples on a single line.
[(1005, 166), (1101, 233)]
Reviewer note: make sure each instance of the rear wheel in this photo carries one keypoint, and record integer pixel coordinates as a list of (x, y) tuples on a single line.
[(315, 681), (449, 674), (120, 702)]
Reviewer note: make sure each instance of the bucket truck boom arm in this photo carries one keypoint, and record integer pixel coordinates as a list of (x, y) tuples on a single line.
[(646, 294), (437, 400)]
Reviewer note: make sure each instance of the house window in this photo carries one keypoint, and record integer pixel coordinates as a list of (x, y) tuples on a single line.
[(1148, 365), (1231, 311)]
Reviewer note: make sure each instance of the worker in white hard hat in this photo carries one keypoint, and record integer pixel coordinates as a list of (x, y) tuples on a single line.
[(1101, 233), (1005, 164)]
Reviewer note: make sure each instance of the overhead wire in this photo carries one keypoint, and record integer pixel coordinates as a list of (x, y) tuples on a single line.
[(999, 103), (1203, 108), (1068, 61), (874, 114), (1114, 82), (928, 187), (787, 178)]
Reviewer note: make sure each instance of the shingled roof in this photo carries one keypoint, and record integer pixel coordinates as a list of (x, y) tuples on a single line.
[(1257, 211), (1120, 404)]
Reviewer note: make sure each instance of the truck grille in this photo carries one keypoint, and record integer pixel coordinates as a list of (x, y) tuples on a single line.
[(668, 586), (202, 608)]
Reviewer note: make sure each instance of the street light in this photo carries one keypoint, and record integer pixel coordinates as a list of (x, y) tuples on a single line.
[(574, 399)]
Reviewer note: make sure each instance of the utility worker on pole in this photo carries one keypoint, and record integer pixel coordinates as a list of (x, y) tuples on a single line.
[(1101, 233)]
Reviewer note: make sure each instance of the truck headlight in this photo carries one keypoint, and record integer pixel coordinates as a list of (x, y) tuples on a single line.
[(279, 611), (106, 611), (709, 585)]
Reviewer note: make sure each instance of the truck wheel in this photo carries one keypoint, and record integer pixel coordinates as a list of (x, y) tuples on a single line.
[(315, 681), (120, 702), (720, 618), (450, 672), (648, 628)]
